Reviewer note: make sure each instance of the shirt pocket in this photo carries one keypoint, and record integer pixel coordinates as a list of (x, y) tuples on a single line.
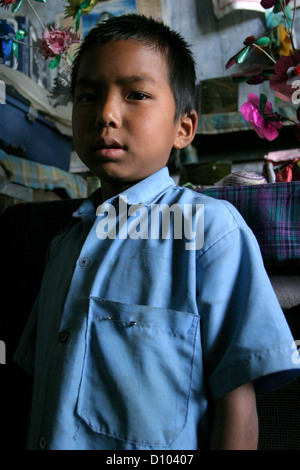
[(137, 370)]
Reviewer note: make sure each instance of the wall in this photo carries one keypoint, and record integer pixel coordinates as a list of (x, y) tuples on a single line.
[(213, 40)]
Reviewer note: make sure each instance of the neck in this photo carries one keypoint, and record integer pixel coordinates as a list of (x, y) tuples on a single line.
[(109, 190)]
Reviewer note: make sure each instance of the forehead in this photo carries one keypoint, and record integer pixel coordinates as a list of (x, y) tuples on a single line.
[(122, 58)]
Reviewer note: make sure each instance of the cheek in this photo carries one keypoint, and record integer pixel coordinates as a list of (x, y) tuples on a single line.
[(146, 128), (79, 141), (75, 127), (81, 126), (75, 123), (82, 117)]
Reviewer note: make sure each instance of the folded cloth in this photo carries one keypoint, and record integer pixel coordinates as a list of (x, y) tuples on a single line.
[(282, 155), (272, 211), (38, 98), (238, 178), (285, 165), (38, 176)]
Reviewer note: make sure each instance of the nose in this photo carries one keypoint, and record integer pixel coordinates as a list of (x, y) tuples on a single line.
[(109, 112)]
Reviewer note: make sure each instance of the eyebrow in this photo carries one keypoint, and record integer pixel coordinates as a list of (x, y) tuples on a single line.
[(136, 78), (86, 81)]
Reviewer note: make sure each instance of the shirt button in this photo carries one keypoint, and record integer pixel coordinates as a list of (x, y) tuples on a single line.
[(84, 261), (63, 336), (42, 442)]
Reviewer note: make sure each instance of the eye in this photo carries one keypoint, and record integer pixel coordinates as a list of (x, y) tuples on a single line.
[(137, 95), (86, 98)]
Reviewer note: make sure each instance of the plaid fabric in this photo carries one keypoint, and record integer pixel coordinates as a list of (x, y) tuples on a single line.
[(38, 176), (272, 211)]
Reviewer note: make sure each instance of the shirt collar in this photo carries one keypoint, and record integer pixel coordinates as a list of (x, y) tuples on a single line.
[(145, 192), (149, 189)]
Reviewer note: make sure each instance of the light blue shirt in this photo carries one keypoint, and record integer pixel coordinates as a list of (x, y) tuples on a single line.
[(131, 338)]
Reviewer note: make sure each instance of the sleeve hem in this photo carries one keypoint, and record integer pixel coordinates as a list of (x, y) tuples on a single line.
[(260, 368)]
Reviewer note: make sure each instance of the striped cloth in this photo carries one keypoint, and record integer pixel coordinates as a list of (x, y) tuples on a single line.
[(38, 176), (272, 211)]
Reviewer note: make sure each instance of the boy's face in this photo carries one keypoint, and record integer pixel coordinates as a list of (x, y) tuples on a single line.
[(123, 112)]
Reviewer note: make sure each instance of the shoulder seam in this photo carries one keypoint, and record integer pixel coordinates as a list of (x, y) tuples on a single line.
[(201, 253)]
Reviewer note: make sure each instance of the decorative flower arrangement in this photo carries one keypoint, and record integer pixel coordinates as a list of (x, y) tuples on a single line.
[(54, 43), (283, 72), (258, 112)]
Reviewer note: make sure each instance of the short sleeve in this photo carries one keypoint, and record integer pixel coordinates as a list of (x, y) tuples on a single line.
[(245, 336), (25, 352), (24, 355)]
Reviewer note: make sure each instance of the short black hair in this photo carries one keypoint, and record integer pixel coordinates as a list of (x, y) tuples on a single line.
[(154, 34)]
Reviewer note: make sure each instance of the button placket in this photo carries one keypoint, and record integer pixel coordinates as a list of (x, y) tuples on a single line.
[(42, 442), (63, 335), (84, 261)]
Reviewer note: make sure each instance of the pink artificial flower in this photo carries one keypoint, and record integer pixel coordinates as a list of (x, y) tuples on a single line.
[(56, 41), (7, 3), (286, 71), (263, 128), (271, 3)]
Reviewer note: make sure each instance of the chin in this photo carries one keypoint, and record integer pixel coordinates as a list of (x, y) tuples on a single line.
[(116, 179)]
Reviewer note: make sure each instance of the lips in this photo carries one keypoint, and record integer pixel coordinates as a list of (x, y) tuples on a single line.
[(109, 148)]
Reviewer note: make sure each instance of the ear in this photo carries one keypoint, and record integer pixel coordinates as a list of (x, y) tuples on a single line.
[(187, 127)]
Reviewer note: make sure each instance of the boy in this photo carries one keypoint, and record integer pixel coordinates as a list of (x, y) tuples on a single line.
[(144, 340)]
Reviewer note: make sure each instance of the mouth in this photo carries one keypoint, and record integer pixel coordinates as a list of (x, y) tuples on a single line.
[(109, 149)]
